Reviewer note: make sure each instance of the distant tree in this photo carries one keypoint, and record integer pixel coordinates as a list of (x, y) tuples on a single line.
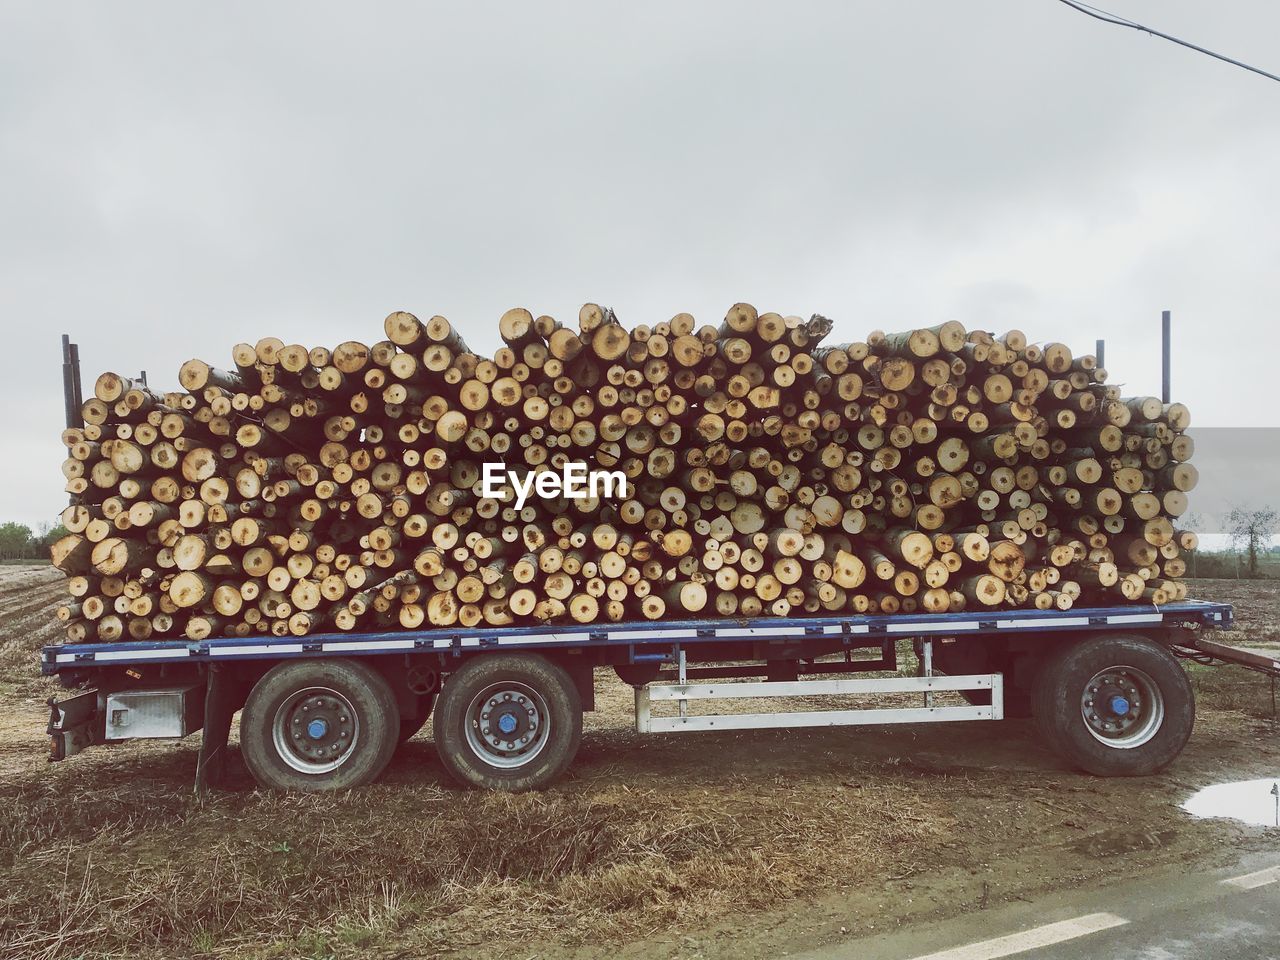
[(1252, 529), (15, 540), (47, 534)]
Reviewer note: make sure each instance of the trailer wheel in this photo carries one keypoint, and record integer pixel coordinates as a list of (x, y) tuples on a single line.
[(318, 725), (1115, 706), (1016, 668), (413, 722), (508, 722)]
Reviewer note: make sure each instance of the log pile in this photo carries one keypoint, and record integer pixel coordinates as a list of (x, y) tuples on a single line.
[(305, 490)]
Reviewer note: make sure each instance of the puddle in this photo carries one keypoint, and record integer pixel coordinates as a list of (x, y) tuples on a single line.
[(1250, 801)]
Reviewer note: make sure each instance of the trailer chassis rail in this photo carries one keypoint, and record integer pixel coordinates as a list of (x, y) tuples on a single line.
[(642, 637)]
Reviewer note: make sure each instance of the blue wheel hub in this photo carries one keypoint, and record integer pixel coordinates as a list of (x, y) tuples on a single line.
[(507, 724), (1122, 707), (509, 721), (315, 729)]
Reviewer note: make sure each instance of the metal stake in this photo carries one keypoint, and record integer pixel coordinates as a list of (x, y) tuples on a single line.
[(684, 679), (75, 380), (926, 650), (1165, 354), (69, 390)]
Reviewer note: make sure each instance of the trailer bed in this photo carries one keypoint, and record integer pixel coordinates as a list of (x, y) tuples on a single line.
[(1111, 718)]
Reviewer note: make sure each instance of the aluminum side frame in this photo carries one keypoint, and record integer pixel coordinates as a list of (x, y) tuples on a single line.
[(646, 722)]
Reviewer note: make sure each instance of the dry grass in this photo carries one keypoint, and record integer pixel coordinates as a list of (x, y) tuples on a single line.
[(110, 855), (1258, 624), (100, 874), (29, 597), (1233, 689)]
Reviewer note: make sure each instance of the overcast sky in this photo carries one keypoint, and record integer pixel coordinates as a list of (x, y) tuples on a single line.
[(177, 177)]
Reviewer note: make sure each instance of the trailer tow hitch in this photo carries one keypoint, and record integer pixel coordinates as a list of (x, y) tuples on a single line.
[(74, 725)]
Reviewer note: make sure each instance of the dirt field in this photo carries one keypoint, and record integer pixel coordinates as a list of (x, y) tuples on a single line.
[(722, 845)]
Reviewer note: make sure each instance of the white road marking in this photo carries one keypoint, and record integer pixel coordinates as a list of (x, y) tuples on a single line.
[(1259, 878), (1033, 939)]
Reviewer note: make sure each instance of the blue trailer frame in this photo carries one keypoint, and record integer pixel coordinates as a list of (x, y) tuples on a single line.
[(1204, 614), (221, 670)]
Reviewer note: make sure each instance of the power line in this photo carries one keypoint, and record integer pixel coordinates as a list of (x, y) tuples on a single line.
[(1106, 17)]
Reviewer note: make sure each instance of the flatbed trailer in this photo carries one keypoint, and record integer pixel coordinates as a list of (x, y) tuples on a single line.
[(326, 711)]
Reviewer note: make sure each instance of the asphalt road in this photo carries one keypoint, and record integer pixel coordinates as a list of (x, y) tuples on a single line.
[(1223, 915)]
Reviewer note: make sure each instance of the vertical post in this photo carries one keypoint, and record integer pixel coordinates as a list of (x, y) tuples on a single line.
[(143, 377), (67, 394), (684, 679), (1165, 348), (997, 696), (75, 380), (926, 664), (643, 712), (1100, 351), (71, 382)]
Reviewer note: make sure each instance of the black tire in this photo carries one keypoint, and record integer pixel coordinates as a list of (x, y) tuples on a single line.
[(1017, 700), (412, 723), (1042, 698), (340, 707), (1015, 669), (637, 674), (1115, 706), (539, 701)]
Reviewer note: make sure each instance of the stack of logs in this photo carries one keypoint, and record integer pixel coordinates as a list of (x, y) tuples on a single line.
[(314, 489)]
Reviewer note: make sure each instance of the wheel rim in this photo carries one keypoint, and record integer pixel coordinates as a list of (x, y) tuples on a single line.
[(316, 730), (1122, 707), (507, 724)]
